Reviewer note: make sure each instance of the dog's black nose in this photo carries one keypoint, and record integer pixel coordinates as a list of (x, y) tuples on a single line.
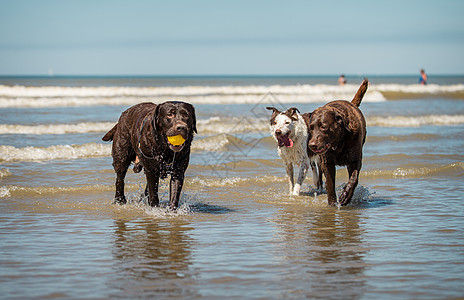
[(312, 145), (278, 132), (181, 128)]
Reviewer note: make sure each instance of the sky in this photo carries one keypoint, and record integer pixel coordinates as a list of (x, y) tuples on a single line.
[(240, 37)]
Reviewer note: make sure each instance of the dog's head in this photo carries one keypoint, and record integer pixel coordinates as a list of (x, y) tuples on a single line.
[(283, 125), (326, 127), (176, 122)]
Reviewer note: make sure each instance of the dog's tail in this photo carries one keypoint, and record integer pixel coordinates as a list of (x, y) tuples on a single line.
[(360, 93), (109, 135)]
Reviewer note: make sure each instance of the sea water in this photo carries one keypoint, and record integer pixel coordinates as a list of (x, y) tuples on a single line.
[(237, 233)]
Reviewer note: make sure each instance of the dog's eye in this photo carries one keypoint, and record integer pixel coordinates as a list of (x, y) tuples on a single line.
[(287, 122)]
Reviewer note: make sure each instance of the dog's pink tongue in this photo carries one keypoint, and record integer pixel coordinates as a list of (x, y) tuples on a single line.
[(288, 142)]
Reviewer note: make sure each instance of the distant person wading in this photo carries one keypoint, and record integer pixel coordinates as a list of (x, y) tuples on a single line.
[(423, 77), (342, 80)]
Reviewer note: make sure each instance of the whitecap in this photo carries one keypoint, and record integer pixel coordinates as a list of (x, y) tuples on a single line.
[(415, 121), (56, 128), (11, 153)]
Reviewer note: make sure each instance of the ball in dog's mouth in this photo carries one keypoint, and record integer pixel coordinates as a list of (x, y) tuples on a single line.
[(176, 142), (284, 140)]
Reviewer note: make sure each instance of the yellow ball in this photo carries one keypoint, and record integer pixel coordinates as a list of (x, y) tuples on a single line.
[(176, 140)]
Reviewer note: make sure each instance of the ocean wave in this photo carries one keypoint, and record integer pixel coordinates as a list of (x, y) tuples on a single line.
[(233, 181), (232, 125), (415, 121), (13, 154), (453, 169), (213, 125), (56, 128), (212, 143), (14, 190), (134, 191), (22, 96), (53, 96), (4, 173), (220, 142), (228, 125)]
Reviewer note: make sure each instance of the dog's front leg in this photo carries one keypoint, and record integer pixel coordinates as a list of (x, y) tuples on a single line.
[(317, 172), (152, 185), (304, 166), (175, 188), (347, 194), (119, 196), (329, 172), (289, 168)]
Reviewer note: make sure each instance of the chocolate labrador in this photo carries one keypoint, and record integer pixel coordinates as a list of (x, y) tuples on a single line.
[(338, 133), (159, 137)]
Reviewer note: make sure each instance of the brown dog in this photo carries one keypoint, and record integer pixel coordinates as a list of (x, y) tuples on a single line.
[(145, 131), (338, 133)]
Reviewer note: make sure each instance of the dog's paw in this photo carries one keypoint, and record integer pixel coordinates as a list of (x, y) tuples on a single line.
[(120, 200), (296, 190), (344, 198)]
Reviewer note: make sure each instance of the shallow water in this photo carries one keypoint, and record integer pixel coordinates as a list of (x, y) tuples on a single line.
[(237, 233)]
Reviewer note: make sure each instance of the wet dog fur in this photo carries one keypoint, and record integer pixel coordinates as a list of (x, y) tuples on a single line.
[(338, 133), (142, 132), (290, 130)]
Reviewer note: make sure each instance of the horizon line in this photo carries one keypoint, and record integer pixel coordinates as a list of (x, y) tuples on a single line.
[(224, 75)]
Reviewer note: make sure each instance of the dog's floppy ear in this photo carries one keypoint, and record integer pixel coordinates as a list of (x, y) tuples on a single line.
[(342, 122), (291, 113), (275, 110), (194, 118), (156, 118)]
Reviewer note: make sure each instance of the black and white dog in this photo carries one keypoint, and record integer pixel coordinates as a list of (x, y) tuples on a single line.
[(291, 131)]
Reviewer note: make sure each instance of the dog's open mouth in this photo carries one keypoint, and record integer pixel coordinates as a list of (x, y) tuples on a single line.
[(321, 150), (176, 142), (284, 140)]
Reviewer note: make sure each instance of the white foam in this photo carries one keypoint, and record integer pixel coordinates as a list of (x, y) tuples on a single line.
[(206, 126), (10, 153), (213, 143), (56, 128), (49, 96), (415, 121), (418, 88), (21, 96), (5, 192), (232, 125), (4, 173)]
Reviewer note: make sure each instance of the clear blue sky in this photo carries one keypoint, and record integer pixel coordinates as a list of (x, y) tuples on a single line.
[(174, 37)]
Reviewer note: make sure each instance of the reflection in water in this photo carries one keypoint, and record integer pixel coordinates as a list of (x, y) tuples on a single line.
[(325, 245), (152, 256)]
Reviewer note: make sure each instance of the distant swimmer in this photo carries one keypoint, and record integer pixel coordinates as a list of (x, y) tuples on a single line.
[(423, 77), (342, 80)]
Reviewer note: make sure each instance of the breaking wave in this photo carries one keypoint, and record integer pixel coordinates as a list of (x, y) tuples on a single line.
[(4, 173), (56, 128), (13, 190), (415, 121), (12, 154), (228, 125), (220, 142), (454, 170), (55, 96), (22, 96)]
